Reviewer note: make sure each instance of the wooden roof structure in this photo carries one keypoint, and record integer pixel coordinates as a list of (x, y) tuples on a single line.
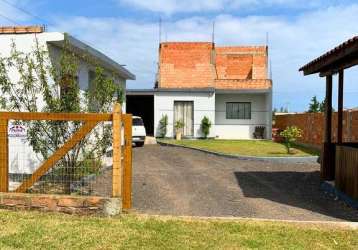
[(339, 159), (341, 57)]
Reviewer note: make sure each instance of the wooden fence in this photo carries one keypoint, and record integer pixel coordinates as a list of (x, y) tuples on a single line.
[(121, 172), (346, 173)]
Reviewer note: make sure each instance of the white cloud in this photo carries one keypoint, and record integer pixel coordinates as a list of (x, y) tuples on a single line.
[(293, 42), (169, 7)]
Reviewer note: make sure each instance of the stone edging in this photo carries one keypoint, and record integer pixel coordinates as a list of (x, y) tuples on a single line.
[(279, 159), (70, 204), (325, 223)]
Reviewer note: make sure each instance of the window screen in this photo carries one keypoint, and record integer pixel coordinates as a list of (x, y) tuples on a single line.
[(238, 110)]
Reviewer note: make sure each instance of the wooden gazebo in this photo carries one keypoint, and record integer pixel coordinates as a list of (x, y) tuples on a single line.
[(339, 160)]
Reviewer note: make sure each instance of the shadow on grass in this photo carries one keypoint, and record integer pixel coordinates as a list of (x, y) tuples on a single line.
[(297, 189)]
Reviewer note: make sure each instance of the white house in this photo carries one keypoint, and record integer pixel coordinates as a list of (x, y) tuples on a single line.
[(21, 157), (229, 85)]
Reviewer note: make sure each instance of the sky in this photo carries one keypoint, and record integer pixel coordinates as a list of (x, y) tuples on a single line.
[(297, 31)]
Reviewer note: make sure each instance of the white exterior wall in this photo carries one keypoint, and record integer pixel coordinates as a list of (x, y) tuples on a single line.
[(204, 105), (243, 128), (21, 157)]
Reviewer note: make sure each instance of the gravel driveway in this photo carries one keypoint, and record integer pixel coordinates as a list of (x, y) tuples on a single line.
[(178, 181)]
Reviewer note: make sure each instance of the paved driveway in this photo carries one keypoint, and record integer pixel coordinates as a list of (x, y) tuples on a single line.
[(178, 181)]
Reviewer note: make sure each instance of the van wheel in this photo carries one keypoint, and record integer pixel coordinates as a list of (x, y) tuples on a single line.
[(139, 144)]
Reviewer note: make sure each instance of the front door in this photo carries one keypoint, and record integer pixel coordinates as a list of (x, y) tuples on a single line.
[(184, 111)]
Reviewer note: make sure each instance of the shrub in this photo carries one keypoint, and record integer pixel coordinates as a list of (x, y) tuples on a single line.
[(291, 134), (205, 126), (163, 123)]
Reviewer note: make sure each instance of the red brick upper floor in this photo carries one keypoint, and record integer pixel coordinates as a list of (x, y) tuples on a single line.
[(203, 65)]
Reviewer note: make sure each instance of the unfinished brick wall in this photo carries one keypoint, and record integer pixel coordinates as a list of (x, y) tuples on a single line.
[(185, 65), (203, 65), (241, 62), (312, 125), (243, 84)]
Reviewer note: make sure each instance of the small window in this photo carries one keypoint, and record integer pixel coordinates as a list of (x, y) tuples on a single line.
[(238, 110)]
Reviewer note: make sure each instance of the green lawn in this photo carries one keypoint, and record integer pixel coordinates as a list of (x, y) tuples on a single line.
[(243, 147), (34, 230)]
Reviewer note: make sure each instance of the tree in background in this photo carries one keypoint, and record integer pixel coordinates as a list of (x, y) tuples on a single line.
[(314, 106), (205, 126), (56, 86)]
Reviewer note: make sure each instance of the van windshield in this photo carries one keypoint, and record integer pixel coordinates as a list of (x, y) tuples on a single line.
[(137, 122)]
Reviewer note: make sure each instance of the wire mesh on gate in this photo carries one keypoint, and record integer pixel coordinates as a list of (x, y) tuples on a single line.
[(85, 169)]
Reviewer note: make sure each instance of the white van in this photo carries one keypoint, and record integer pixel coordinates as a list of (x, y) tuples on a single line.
[(138, 131)]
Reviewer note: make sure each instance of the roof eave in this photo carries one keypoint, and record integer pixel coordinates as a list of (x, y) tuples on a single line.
[(334, 59), (123, 72)]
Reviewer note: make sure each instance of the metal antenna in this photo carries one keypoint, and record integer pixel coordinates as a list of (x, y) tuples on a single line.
[(160, 30), (213, 34)]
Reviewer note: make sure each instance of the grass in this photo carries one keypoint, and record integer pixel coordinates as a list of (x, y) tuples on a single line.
[(29, 230), (244, 147)]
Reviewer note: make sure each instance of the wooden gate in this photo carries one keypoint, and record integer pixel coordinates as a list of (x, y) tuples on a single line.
[(122, 154)]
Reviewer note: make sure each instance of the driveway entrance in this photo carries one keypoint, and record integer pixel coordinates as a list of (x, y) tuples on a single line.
[(178, 181)]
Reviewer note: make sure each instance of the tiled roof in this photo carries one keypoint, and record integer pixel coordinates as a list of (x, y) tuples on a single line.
[(21, 29), (203, 65)]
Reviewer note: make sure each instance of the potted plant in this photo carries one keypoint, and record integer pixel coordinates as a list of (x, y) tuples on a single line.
[(179, 124)]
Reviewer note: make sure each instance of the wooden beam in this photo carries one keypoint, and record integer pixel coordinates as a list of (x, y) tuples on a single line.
[(28, 116), (61, 152), (327, 164), (340, 107), (127, 168), (328, 110), (324, 61), (334, 69), (4, 156), (117, 151)]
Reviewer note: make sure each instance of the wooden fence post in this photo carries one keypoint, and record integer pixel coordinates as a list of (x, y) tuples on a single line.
[(4, 157), (127, 167), (117, 151)]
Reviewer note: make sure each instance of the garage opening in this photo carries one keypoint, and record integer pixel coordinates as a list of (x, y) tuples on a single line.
[(141, 103)]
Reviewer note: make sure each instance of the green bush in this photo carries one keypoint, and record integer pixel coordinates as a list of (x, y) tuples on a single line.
[(205, 126), (291, 134), (163, 123)]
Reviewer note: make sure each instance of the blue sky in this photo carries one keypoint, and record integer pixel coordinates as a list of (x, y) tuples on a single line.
[(127, 31)]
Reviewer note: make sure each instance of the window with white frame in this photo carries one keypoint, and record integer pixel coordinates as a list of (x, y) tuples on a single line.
[(238, 110)]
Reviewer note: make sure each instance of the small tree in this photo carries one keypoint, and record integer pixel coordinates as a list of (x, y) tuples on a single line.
[(163, 123), (205, 126), (314, 106), (291, 134), (55, 83)]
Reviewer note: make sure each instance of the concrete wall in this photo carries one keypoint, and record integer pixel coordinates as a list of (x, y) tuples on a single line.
[(242, 128), (204, 105), (214, 106), (22, 159)]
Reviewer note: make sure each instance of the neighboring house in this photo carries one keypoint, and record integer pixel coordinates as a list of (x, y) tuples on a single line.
[(25, 40), (229, 85)]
